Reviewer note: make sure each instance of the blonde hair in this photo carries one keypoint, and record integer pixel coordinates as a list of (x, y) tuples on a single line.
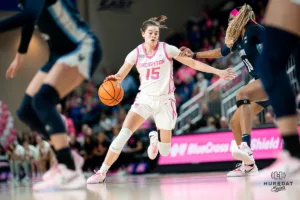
[(237, 24), (154, 21)]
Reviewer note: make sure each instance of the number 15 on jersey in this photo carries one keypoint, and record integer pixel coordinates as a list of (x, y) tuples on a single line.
[(152, 73)]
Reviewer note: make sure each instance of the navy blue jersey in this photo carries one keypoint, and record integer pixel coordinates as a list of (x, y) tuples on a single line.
[(248, 47), (57, 20)]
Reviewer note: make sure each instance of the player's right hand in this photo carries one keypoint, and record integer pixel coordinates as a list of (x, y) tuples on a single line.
[(115, 77), (226, 74), (15, 66), (186, 52)]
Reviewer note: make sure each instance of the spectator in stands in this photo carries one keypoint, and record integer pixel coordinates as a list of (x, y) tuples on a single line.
[(86, 129), (134, 145), (15, 153), (201, 84), (215, 43), (223, 123), (103, 139), (89, 93), (87, 110), (68, 121), (74, 144), (90, 143), (210, 126), (30, 159), (2, 151), (32, 138), (195, 37), (75, 111), (70, 126), (121, 116), (45, 154), (4, 164), (100, 150), (203, 121), (3, 155), (269, 119), (255, 121), (59, 109), (185, 71), (105, 123)]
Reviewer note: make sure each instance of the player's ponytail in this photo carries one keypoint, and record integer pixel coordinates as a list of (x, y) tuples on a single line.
[(154, 21), (244, 15)]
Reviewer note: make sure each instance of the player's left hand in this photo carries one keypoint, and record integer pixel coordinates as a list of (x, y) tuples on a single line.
[(227, 74), (115, 77), (15, 66), (186, 52)]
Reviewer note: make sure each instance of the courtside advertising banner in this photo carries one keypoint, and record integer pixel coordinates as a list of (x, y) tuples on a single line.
[(217, 147)]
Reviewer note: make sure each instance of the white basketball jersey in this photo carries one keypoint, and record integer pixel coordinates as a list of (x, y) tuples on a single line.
[(156, 71)]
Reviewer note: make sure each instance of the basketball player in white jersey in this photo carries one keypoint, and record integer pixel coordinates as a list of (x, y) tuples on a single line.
[(153, 60)]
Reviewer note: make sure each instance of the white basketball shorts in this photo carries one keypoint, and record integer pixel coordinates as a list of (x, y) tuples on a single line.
[(162, 108)]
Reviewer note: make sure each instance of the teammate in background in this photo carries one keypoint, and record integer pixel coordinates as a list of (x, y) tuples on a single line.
[(74, 55), (154, 63), (282, 39), (245, 36)]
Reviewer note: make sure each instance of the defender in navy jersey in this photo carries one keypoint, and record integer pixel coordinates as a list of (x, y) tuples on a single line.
[(248, 47), (74, 55), (245, 36)]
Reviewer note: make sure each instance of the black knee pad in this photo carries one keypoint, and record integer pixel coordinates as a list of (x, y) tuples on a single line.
[(44, 103), (242, 102), (27, 115), (25, 108)]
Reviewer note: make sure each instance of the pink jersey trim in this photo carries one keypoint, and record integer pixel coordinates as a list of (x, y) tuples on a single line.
[(173, 109), (151, 56), (171, 79), (171, 90), (165, 50), (137, 55)]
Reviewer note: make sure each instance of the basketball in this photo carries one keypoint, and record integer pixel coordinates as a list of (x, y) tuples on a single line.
[(110, 93)]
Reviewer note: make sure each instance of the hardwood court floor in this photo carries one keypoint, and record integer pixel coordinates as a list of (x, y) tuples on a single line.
[(198, 186)]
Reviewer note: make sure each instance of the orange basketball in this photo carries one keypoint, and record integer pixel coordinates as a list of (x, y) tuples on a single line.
[(110, 93)]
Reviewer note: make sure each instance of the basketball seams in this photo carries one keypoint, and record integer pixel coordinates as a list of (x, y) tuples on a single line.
[(113, 102), (107, 100), (115, 99), (113, 87), (104, 98), (108, 92)]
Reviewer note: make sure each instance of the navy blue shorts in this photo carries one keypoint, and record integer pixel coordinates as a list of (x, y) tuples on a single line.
[(86, 57)]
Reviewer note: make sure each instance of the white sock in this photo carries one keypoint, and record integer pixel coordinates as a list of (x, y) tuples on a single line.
[(104, 168), (164, 148)]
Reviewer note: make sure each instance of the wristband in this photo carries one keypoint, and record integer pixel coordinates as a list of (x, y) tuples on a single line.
[(194, 55)]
